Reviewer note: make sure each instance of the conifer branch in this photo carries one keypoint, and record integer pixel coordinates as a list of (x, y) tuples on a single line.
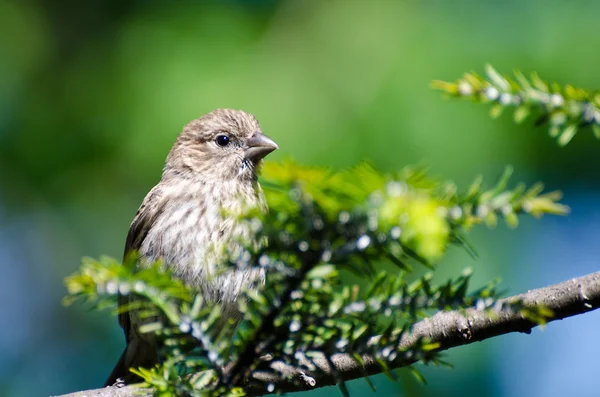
[(321, 222), (566, 109), (446, 329)]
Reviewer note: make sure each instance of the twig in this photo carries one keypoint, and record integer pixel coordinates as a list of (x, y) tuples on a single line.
[(449, 329)]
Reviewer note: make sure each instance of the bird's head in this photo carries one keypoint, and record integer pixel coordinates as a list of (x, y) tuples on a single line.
[(224, 143)]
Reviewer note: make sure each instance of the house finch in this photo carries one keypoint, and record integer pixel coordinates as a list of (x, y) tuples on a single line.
[(189, 219)]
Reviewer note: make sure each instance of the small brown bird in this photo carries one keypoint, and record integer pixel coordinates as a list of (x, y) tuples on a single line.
[(189, 218)]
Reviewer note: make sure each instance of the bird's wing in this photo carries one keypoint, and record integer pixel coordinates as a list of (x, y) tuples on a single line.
[(142, 222), (144, 219)]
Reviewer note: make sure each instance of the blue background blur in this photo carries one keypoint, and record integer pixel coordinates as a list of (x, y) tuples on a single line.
[(92, 95)]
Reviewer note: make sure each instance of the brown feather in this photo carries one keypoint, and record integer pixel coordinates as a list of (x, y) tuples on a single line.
[(188, 219)]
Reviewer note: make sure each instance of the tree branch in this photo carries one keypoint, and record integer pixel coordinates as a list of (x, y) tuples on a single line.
[(449, 329)]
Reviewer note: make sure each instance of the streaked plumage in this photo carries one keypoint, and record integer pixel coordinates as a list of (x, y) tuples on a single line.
[(191, 216)]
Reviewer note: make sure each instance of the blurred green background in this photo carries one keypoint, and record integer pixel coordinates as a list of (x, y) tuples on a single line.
[(92, 95)]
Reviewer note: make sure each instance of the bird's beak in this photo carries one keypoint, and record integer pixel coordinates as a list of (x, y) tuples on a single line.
[(259, 146)]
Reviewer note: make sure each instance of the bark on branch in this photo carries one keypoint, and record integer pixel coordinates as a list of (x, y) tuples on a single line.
[(449, 329)]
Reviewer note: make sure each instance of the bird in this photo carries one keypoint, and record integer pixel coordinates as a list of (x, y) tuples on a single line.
[(192, 216)]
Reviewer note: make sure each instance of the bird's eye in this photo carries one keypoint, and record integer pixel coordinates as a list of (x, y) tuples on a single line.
[(222, 140)]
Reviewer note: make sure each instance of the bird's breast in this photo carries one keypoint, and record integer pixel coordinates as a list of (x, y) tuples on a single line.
[(198, 231)]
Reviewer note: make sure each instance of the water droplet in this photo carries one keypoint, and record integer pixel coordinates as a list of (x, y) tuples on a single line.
[(341, 344), (506, 98), (318, 223), (395, 232), (372, 223), (303, 246), (344, 217), (374, 304), (492, 93), (295, 326), (385, 352), (479, 304), (395, 189), (197, 332), (124, 288), (270, 388), (363, 242), (465, 88), (184, 327), (138, 286), (588, 113), (394, 300), (556, 100), (280, 266), (112, 287), (482, 211), (355, 307), (264, 260), (455, 213)]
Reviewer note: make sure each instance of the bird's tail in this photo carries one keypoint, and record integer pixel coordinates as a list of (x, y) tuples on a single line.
[(119, 371), (137, 353)]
